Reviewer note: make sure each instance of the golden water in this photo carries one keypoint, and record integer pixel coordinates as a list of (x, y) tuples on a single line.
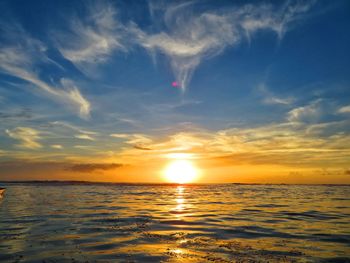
[(163, 223)]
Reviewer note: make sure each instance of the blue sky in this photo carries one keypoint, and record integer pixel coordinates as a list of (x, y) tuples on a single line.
[(90, 81)]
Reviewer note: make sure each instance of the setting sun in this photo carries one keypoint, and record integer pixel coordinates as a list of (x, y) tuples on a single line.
[(175, 131), (181, 172)]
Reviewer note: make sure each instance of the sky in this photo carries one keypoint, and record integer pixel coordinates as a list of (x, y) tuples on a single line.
[(247, 91)]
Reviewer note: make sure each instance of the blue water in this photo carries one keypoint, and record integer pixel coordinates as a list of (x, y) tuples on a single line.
[(163, 223)]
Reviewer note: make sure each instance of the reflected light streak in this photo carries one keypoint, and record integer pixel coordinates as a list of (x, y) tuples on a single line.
[(180, 201)]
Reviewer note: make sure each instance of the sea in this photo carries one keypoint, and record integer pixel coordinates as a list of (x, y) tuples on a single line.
[(102, 222)]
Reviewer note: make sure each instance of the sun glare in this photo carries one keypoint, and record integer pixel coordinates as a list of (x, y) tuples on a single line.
[(181, 172)]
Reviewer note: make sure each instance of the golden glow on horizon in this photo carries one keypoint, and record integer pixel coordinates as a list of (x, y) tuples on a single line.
[(184, 156), (181, 172)]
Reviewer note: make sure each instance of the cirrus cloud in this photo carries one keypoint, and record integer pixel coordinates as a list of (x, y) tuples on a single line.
[(189, 36), (21, 58), (92, 39)]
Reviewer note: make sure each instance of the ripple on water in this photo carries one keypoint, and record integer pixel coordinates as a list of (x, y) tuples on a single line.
[(217, 223)]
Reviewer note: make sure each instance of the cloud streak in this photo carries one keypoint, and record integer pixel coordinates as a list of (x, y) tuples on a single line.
[(84, 137), (28, 137), (72, 127), (57, 146), (134, 139), (271, 99)]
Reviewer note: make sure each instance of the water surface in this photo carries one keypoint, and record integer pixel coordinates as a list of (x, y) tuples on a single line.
[(163, 223)]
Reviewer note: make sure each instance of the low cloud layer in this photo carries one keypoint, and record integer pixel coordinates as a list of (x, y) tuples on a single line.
[(295, 144), (90, 167)]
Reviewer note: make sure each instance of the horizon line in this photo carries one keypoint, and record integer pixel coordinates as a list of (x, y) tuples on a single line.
[(158, 183)]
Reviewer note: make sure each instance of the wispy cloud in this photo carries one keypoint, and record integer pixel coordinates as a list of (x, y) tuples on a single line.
[(84, 147), (276, 100), (84, 137), (57, 146), (191, 36), (133, 139), (28, 137), (91, 39), (270, 98), (308, 113), (275, 18), (22, 114), (22, 55), (73, 127)]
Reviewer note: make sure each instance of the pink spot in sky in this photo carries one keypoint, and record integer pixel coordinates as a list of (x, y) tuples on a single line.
[(175, 84)]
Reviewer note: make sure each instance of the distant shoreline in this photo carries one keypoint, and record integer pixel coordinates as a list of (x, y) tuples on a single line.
[(64, 182)]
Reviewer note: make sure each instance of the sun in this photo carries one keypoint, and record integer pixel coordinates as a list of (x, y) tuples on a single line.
[(181, 172)]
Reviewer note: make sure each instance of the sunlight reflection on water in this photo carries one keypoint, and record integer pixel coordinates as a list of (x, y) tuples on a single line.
[(153, 223)]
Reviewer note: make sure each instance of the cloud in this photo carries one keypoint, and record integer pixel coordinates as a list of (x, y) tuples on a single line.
[(73, 94), (73, 127), (189, 39), (84, 137), (21, 58), (92, 39), (275, 18), (177, 143), (27, 136), (84, 147), (291, 144), (328, 128), (141, 147), (308, 113), (275, 100), (90, 167), (120, 135), (134, 139), (287, 144), (22, 114), (191, 36), (138, 141), (345, 109), (57, 146), (270, 99), (58, 170)]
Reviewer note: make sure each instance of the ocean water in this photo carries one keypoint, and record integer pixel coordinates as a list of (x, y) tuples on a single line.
[(167, 223)]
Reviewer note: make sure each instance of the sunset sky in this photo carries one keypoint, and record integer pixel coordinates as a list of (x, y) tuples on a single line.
[(261, 92)]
